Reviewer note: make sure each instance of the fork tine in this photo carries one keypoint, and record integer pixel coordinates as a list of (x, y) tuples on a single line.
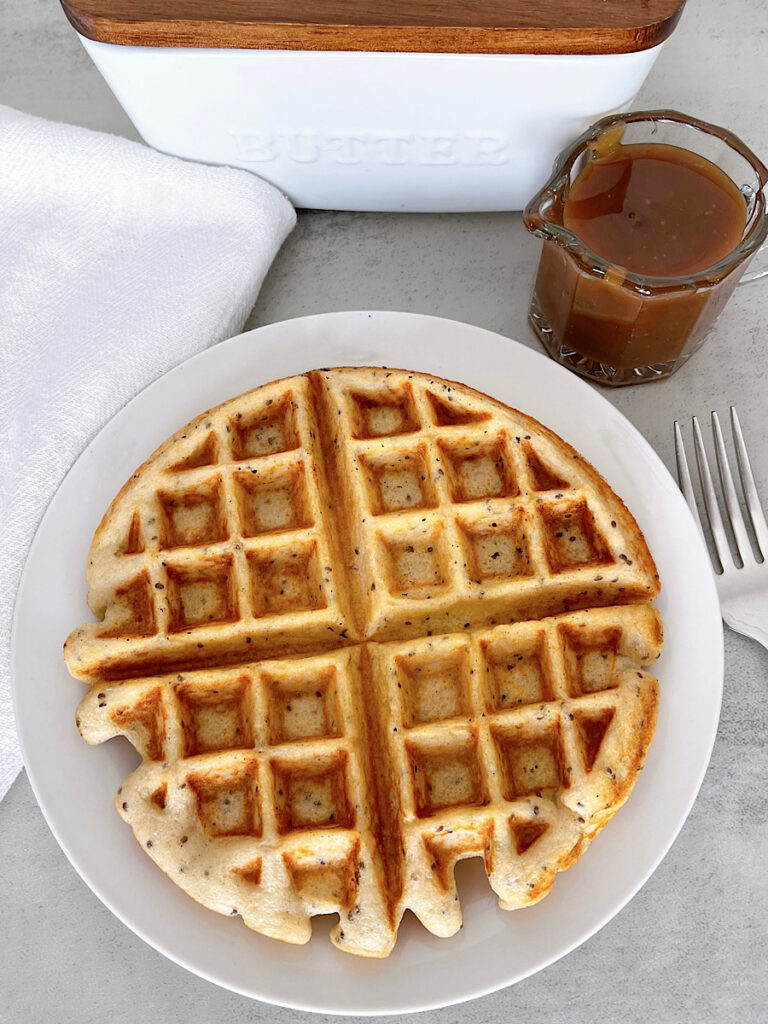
[(684, 477), (732, 506), (710, 500), (748, 483)]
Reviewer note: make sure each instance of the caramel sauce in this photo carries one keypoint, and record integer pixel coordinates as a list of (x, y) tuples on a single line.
[(656, 209), (647, 209)]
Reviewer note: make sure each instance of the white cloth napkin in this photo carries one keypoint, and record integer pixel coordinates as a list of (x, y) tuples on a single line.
[(116, 263)]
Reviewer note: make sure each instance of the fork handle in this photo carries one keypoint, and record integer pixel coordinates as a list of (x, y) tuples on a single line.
[(749, 615)]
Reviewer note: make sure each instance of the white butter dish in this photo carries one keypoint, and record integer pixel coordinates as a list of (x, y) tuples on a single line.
[(409, 106)]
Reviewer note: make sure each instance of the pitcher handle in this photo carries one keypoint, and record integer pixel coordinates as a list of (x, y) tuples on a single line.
[(758, 266)]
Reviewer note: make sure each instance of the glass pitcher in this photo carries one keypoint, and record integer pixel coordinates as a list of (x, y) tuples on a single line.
[(607, 323)]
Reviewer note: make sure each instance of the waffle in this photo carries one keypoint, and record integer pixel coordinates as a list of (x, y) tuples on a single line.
[(361, 624)]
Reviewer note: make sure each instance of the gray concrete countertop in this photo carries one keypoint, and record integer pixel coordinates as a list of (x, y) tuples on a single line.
[(691, 946)]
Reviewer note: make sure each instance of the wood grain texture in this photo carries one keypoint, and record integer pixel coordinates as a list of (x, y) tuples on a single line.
[(426, 26)]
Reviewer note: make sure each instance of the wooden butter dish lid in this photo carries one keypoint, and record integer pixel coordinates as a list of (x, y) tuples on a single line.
[(415, 26)]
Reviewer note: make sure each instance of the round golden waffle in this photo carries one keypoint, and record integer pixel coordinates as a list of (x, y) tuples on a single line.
[(360, 624)]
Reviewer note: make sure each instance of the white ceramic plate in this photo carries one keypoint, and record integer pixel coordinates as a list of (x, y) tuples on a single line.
[(75, 784)]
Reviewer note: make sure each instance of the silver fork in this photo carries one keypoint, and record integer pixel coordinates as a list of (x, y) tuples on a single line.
[(742, 588)]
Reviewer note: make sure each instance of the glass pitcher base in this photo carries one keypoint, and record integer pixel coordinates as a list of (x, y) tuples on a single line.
[(593, 369)]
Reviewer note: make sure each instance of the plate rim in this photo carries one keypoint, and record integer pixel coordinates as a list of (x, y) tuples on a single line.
[(400, 318)]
